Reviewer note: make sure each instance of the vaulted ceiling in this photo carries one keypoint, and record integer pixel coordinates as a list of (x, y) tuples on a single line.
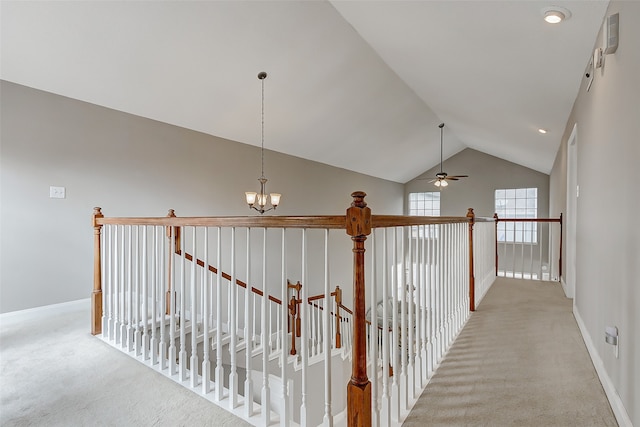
[(360, 85)]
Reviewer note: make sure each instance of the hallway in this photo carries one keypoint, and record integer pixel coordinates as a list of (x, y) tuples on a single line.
[(519, 361)]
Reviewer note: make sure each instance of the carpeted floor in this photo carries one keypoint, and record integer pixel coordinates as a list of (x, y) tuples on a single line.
[(520, 361), (54, 373)]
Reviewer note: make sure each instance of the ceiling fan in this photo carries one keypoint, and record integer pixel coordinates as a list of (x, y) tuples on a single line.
[(442, 177)]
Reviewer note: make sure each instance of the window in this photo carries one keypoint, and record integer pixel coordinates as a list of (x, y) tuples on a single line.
[(424, 204), (517, 203)]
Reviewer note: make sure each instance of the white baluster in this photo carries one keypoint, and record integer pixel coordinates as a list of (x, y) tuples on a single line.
[(265, 337), (163, 303), (206, 344), (137, 337), (182, 355), (248, 311), (154, 298), (417, 305), (385, 409), (411, 373), (233, 327), (326, 343), (145, 296), (129, 343), (219, 373), (431, 300), (173, 368), (122, 332), (286, 404), (194, 315), (108, 330), (404, 386), (373, 337), (117, 282), (304, 333), (395, 386)]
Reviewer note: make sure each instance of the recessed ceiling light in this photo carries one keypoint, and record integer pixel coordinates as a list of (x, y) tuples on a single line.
[(542, 131), (555, 14)]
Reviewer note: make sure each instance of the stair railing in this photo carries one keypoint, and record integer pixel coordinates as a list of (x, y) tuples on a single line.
[(528, 248), (161, 301)]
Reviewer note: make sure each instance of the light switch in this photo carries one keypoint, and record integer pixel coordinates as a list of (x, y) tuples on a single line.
[(57, 192)]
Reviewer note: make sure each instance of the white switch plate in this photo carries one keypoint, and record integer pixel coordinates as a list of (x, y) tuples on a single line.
[(57, 192)]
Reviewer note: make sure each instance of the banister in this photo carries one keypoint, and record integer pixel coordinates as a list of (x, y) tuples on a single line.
[(558, 220), (322, 221), (357, 222), (380, 221)]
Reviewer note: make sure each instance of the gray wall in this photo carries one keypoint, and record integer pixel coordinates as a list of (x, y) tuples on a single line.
[(486, 174), (608, 236), (130, 166)]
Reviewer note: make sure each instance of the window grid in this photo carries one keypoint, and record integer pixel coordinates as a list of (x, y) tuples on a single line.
[(517, 203), (424, 204)]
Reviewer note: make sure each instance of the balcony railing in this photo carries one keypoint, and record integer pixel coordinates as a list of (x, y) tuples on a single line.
[(257, 315)]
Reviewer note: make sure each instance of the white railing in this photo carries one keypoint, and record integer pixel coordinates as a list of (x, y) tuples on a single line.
[(484, 244), (529, 248), (419, 287), (210, 303)]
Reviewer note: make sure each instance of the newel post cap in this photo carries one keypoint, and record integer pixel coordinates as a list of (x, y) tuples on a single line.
[(358, 216), (97, 213)]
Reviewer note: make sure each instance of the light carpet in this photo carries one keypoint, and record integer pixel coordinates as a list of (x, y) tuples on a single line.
[(54, 373), (519, 361)]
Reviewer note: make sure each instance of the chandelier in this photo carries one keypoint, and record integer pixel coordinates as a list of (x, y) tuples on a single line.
[(258, 201)]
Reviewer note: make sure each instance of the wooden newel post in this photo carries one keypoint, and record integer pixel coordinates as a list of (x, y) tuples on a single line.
[(96, 295), (472, 278), (359, 387), (496, 219), (560, 252)]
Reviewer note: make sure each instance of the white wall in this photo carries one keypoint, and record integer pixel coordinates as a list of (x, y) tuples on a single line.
[(129, 166), (608, 236)]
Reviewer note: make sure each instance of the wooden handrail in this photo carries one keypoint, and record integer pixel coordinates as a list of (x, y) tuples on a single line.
[(227, 276), (380, 221), (325, 221)]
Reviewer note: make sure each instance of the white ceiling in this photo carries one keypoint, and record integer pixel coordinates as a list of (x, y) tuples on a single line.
[(360, 85)]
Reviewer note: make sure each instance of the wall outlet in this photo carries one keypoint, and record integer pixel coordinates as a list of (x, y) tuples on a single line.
[(57, 192)]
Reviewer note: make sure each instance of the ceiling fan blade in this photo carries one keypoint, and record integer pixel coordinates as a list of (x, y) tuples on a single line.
[(451, 178), (457, 176)]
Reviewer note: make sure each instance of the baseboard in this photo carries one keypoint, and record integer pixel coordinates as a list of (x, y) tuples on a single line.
[(45, 310), (622, 417)]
